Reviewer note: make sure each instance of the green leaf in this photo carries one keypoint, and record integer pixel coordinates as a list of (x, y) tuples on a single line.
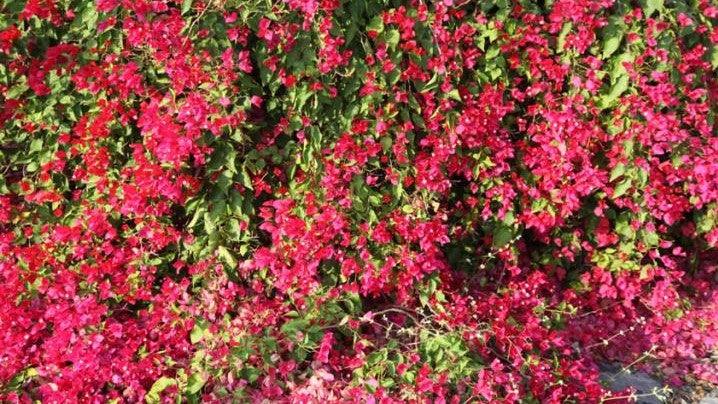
[(617, 69), (624, 229), (224, 181), (35, 145), (705, 221), (651, 239), (229, 161), (502, 235), (454, 95), (245, 178), (616, 90), (13, 6), (376, 24), (392, 38), (195, 383), (153, 396), (650, 6), (227, 257), (612, 37), (617, 171), (561, 41), (250, 374), (16, 91), (492, 52), (621, 188), (423, 299), (209, 225), (186, 5), (290, 328), (197, 333)]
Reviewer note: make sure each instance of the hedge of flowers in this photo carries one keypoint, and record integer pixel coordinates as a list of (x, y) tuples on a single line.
[(356, 200)]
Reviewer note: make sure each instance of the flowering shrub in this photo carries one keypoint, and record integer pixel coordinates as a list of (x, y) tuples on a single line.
[(370, 200)]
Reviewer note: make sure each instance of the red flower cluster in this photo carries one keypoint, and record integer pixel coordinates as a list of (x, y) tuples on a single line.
[(368, 201)]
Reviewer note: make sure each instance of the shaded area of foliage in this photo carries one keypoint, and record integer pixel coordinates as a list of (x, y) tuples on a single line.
[(355, 200)]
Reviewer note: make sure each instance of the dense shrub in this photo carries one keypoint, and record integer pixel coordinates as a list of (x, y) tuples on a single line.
[(370, 200)]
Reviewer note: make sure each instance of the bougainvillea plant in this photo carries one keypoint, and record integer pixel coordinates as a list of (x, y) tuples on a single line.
[(356, 200)]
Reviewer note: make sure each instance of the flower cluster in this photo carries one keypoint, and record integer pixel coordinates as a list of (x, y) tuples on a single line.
[(369, 201)]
